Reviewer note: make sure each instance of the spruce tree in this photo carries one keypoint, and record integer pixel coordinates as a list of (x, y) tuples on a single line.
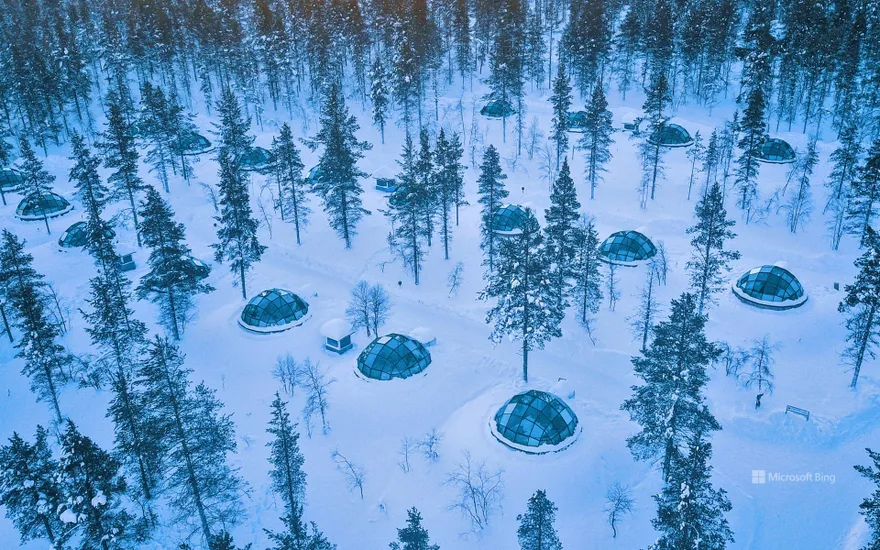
[(379, 96), (753, 135), (90, 190), (28, 487), (202, 488), (449, 180), (292, 199), (658, 97), (710, 262), (536, 527), (840, 182), (406, 207), (237, 238), (870, 506), (5, 154), (288, 478), (153, 126), (338, 185), (92, 485), (690, 511), (37, 180), (173, 280), (424, 172), (865, 194), (525, 307), (862, 303), (232, 131), (119, 146), (413, 536), (597, 140), (669, 405), (561, 235), (561, 103), (16, 272), (711, 161), (492, 193), (588, 282)]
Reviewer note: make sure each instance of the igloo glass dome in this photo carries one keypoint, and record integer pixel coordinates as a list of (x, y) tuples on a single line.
[(671, 135), (274, 310), (771, 287), (77, 236), (393, 356), (510, 219), (627, 248), (256, 158), (38, 205), (535, 422), (11, 180), (776, 151), (195, 144)]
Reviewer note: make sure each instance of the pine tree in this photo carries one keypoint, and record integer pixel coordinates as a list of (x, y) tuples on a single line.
[(288, 169), (536, 530), (695, 153), (596, 141), (506, 77), (37, 180), (119, 147), (92, 485), (173, 280), (424, 171), (690, 511), (196, 440), (237, 233), (232, 131), (223, 541), (588, 285), (862, 303), (379, 96), (841, 180), (288, 478), (449, 180), (561, 103), (561, 235), (492, 193), (16, 272), (669, 406), (90, 190), (180, 129), (28, 488), (865, 194), (525, 309), (153, 126), (413, 536), (406, 207), (800, 204), (753, 134), (338, 185), (5, 154), (711, 162), (710, 262), (658, 97), (870, 507)]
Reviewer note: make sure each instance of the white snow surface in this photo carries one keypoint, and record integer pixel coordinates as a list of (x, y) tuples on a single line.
[(470, 377)]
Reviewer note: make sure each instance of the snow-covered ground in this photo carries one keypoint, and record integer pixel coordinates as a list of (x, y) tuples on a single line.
[(470, 377)]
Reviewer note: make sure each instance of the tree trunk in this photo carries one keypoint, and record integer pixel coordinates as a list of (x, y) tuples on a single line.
[(6, 327), (863, 346)]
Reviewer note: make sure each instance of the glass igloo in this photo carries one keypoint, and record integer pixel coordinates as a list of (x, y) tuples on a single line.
[(11, 180), (36, 206), (256, 158), (776, 151), (314, 175), (535, 422), (497, 108), (77, 236), (577, 121), (274, 310), (392, 356), (627, 248), (771, 287), (671, 135), (195, 144), (200, 268), (509, 219)]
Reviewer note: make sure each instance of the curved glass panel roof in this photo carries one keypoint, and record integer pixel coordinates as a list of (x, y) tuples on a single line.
[(194, 144), (314, 174), (200, 268), (771, 286), (11, 180), (497, 108), (671, 135), (627, 247), (577, 121), (256, 157), (37, 205), (776, 150), (534, 418), (393, 356), (273, 310), (510, 218), (77, 236)]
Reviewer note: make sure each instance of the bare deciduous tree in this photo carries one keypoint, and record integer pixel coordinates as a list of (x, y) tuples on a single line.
[(480, 491), (315, 385), (288, 372), (453, 282), (369, 307), (761, 362), (407, 447), (355, 475), (430, 443), (612, 286), (660, 263), (533, 138), (733, 359), (618, 503), (380, 307)]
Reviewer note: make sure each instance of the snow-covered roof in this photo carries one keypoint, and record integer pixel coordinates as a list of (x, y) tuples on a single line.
[(383, 172), (336, 329), (423, 334)]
